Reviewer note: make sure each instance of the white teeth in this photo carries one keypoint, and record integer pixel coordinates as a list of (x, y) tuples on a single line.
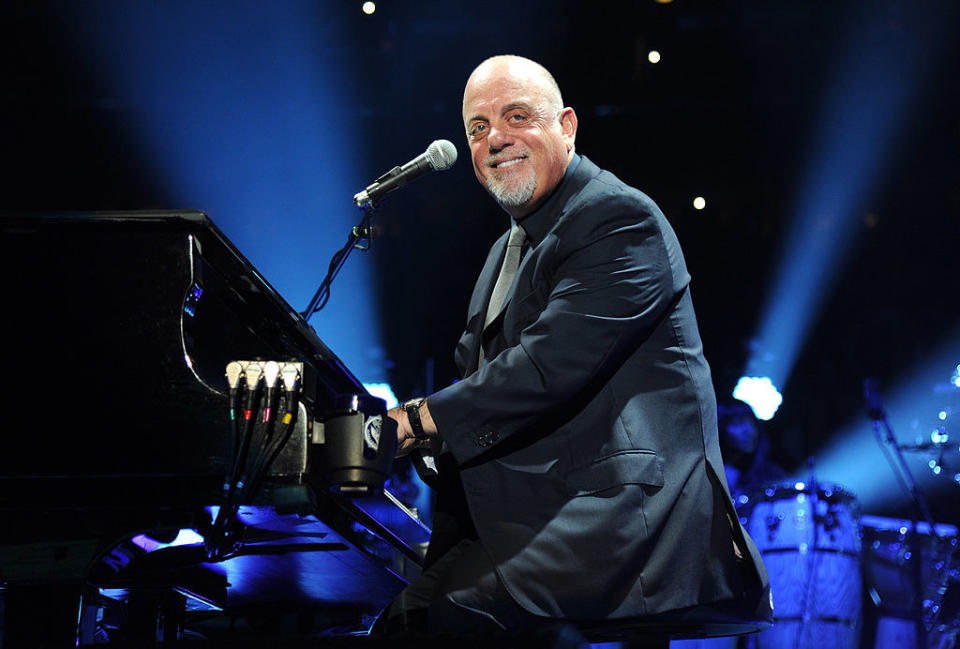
[(508, 163)]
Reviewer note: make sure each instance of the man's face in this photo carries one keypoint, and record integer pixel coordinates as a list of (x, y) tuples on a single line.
[(519, 144), (741, 434)]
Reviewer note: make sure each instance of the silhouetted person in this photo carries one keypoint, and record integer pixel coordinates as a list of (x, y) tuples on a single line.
[(745, 448)]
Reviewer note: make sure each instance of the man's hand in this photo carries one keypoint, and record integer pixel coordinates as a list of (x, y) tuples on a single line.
[(406, 440)]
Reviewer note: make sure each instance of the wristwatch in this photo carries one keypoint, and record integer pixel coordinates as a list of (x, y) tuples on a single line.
[(412, 408)]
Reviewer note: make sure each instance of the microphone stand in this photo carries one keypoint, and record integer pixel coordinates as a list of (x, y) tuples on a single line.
[(441, 154), (360, 238)]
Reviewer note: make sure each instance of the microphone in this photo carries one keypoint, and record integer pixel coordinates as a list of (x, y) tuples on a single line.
[(440, 155)]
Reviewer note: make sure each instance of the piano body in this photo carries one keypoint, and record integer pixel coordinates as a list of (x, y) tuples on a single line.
[(119, 449)]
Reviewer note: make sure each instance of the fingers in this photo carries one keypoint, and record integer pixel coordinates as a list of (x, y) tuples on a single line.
[(405, 437)]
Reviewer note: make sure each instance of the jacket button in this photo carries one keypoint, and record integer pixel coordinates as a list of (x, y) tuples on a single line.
[(487, 438)]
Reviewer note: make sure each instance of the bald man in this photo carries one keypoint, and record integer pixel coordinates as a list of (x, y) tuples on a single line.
[(577, 463)]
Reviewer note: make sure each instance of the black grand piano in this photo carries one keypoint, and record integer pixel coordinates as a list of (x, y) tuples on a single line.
[(153, 484)]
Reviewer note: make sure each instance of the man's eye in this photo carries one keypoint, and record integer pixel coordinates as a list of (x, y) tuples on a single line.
[(477, 129), (516, 118)]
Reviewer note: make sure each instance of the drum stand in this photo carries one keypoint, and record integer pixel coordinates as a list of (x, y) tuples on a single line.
[(814, 555)]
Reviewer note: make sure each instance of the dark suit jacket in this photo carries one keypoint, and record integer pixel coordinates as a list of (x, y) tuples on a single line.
[(587, 445)]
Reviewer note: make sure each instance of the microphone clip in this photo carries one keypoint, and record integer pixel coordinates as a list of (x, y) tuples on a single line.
[(363, 236), (363, 199)]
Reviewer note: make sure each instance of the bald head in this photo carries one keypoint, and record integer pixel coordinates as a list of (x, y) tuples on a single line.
[(527, 72), (521, 136)]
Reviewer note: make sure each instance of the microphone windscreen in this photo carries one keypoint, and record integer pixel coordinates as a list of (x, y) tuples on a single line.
[(441, 154)]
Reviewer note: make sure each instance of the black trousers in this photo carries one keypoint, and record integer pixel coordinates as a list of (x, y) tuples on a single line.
[(459, 593)]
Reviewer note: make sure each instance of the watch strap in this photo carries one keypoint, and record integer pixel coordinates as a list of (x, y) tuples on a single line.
[(412, 408)]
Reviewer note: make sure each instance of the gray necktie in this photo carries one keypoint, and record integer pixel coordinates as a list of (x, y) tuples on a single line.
[(511, 261)]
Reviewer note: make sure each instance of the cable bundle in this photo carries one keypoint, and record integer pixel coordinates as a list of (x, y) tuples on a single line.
[(258, 391)]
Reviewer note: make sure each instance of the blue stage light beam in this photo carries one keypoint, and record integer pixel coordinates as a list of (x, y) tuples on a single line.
[(862, 114), (385, 392), (247, 111), (854, 458)]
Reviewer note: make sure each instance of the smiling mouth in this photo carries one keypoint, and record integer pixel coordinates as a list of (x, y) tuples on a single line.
[(507, 163)]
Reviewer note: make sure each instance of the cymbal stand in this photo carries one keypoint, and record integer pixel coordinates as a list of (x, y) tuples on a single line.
[(893, 451)]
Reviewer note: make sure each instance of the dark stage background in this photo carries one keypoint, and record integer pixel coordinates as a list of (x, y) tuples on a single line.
[(131, 105)]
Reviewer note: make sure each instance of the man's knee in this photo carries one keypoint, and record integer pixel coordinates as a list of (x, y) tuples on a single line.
[(467, 594)]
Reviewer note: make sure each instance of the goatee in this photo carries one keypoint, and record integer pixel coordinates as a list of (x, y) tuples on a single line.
[(512, 192)]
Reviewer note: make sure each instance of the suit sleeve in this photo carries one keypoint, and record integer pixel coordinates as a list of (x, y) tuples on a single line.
[(612, 277)]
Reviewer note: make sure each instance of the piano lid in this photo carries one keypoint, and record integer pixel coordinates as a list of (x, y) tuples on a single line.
[(121, 325)]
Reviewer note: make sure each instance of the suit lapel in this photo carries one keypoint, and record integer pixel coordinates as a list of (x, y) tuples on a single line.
[(468, 349)]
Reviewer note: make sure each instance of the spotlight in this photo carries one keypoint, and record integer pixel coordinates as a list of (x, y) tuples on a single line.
[(760, 394), (369, 7), (653, 56), (699, 203)]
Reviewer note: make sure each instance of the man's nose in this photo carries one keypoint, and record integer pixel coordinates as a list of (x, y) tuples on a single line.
[(498, 139)]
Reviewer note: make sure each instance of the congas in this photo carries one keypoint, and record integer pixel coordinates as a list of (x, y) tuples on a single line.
[(810, 542)]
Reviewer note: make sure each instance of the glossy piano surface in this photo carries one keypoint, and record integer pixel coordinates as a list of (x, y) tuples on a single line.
[(119, 329), (117, 431)]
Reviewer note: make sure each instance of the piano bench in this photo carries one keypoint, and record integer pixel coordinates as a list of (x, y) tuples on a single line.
[(720, 619), (751, 614), (630, 633)]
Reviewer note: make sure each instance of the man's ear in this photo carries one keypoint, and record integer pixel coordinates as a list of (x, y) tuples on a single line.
[(568, 126)]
